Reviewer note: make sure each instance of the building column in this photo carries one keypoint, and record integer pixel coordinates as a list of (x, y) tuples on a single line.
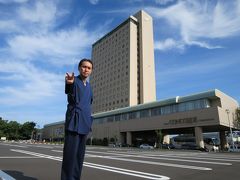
[(223, 140), (129, 138), (123, 137), (199, 137), (166, 139)]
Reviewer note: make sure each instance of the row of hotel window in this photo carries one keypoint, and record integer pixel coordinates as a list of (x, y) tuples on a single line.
[(117, 35), (157, 111)]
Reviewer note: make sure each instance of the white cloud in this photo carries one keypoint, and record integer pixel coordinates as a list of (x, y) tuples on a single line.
[(94, 2), (42, 12), (27, 84), (168, 44), (199, 22), (35, 39), (60, 45), (163, 2), (13, 1), (203, 44), (171, 44), (32, 18), (8, 26)]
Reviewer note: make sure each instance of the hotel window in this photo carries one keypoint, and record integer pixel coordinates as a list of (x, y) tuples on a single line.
[(144, 113), (206, 103), (190, 105), (110, 119), (118, 117), (166, 110), (124, 116), (101, 120), (182, 107), (133, 115), (156, 111)]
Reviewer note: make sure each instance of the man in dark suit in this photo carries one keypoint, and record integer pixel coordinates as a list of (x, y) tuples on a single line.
[(78, 120)]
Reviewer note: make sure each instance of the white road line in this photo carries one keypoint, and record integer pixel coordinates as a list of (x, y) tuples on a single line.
[(190, 156), (230, 156), (18, 157), (90, 155), (37, 154), (158, 163), (147, 153), (47, 147), (103, 148), (102, 167), (97, 156), (57, 151), (213, 156), (181, 158), (162, 154), (151, 162), (167, 152), (128, 172), (168, 159), (14, 145), (208, 158)]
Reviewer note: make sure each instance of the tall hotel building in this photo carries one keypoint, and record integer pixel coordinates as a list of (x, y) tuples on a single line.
[(124, 76), (124, 71)]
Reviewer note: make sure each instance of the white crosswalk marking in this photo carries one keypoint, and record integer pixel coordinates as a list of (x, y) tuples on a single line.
[(102, 167), (168, 159)]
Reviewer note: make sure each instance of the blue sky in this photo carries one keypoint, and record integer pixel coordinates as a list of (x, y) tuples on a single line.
[(196, 49)]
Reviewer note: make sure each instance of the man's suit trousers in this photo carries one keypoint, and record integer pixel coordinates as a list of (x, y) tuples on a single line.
[(73, 155)]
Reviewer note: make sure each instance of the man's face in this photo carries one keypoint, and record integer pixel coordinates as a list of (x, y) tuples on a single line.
[(85, 69)]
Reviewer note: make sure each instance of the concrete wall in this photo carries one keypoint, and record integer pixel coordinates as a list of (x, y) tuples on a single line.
[(55, 131), (133, 85), (210, 119), (146, 52), (201, 117), (228, 103)]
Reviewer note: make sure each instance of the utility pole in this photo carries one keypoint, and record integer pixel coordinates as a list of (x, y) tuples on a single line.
[(227, 111)]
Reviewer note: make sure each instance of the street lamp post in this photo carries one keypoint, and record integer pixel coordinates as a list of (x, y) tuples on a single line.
[(227, 111)]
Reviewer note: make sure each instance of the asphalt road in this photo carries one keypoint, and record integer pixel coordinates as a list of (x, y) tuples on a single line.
[(43, 162)]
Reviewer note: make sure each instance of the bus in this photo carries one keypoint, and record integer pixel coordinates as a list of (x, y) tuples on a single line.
[(189, 142)]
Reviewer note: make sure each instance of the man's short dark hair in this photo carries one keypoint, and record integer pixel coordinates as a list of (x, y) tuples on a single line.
[(84, 60)]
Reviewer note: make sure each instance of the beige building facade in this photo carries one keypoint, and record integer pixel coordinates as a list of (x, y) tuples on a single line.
[(193, 114), (124, 71)]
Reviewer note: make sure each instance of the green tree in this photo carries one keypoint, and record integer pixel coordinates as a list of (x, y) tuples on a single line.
[(238, 117), (27, 130), (12, 132), (159, 138), (3, 126)]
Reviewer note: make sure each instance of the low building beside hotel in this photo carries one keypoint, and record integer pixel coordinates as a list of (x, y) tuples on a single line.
[(53, 131), (211, 111)]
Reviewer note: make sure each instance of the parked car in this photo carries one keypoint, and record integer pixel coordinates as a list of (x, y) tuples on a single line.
[(125, 145), (235, 149), (189, 146), (168, 146), (111, 145), (145, 146)]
